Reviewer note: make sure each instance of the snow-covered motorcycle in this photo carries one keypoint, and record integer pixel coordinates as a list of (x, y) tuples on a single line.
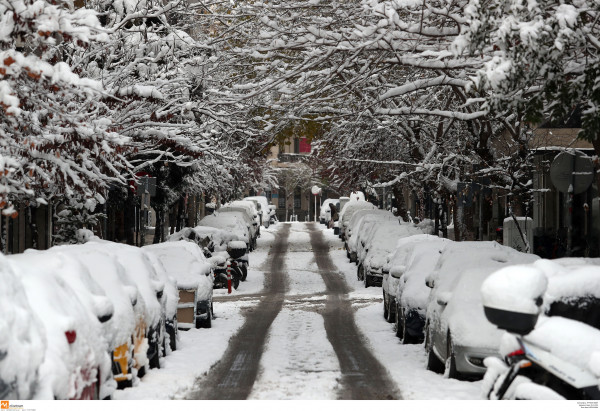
[(546, 358)]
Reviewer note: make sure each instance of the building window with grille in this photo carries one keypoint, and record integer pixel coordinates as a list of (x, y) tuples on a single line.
[(281, 203), (297, 198)]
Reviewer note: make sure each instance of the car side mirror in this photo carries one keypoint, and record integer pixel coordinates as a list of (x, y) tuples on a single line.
[(429, 282), (443, 298), (397, 271)]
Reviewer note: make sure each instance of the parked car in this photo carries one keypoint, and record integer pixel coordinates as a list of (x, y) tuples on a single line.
[(263, 209), (186, 263), (23, 344), (359, 222), (348, 211), (325, 213), (551, 356), (230, 222), (241, 214), (377, 248), (126, 334), (250, 209), (76, 360), (151, 288), (273, 214), (211, 238), (414, 259), (458, 337), (170, 302)]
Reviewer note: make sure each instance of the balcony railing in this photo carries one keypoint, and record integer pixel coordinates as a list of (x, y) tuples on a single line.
[(292, 157)]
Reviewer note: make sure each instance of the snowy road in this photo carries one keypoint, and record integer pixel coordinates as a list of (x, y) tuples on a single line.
[(301, 327)]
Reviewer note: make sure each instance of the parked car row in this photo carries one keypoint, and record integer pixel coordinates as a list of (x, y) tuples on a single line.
[(83, 320), (432, 292)]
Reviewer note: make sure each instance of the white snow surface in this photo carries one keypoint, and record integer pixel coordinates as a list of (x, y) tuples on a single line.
[(287, 372)]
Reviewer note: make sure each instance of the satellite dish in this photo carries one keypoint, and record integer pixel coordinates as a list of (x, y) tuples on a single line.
[(572, 168)]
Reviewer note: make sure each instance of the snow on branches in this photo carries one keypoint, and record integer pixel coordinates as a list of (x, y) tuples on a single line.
[(55, 137)]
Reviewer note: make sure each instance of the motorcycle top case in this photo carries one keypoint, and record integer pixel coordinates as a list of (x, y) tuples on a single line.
[(511, 321)]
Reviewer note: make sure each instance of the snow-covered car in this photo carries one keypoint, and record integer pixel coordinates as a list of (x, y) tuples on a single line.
[(170, 301), (325, 213), (348, 211), (76, 360), (263, 208), (250, 209), (211, 238), (126, 333), (359, 221), (23, 343), (553, 356), (231, 223), (378, 246), (186, 263), (242, 215), (151, 287), (272, 214), (458, 337), (413, 260)]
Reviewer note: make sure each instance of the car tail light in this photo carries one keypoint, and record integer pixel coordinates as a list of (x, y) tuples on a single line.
[(71, 336), (516, 353)]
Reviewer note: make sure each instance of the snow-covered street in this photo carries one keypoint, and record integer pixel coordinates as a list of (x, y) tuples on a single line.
[(301, 358)]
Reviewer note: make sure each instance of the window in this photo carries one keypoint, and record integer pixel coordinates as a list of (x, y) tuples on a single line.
[(296, 145), (281, 199), (297, 198)]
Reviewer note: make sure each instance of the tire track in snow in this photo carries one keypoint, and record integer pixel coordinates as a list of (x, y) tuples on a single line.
[(363, 377), (234, 376)]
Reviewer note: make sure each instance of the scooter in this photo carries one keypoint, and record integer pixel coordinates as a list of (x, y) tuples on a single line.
[(536, 366), (533, 372)]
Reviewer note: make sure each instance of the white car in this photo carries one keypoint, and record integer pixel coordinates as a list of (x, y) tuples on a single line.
[(76, 360), (325, 213), (186, 263), (23, 343), (360, 221), (264, 208), (458, 337), (348, 211), (235, 224)]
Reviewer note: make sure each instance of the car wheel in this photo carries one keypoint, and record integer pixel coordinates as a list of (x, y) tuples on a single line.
[(433, 362), (155, 360), (386, 310), (391, 309), (398, 326), (235, 282), (141, 372), (451, 361), (207, 322), (172, 338)]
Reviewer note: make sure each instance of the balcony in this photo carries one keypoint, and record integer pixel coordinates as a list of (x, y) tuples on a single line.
[(292, 157)]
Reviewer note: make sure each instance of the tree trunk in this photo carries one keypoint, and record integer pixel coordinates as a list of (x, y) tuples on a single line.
[(400, 203), (158, 226), (129, 218)]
